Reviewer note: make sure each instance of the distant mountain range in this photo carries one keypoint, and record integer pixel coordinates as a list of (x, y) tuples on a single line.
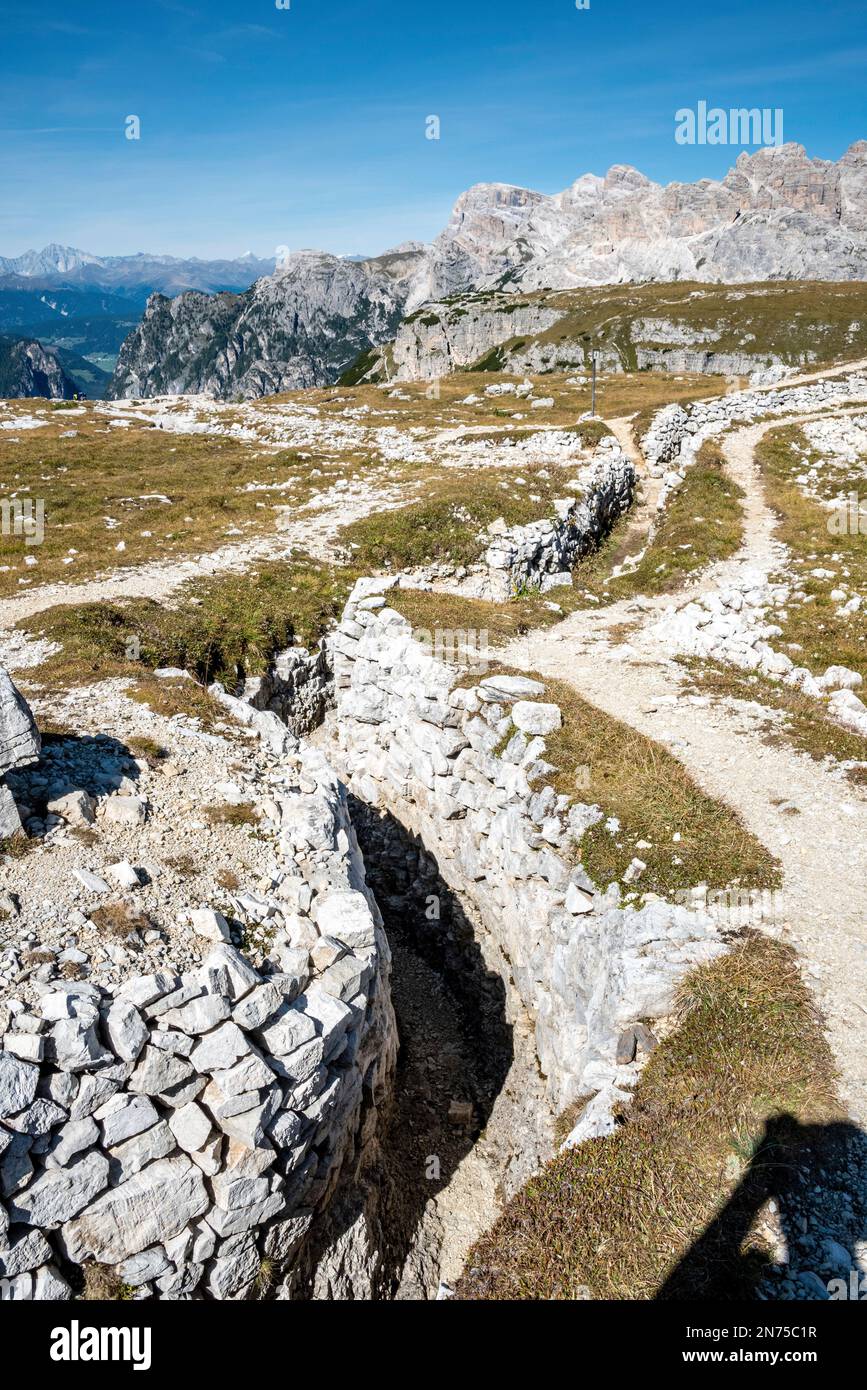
[(86, 305), (777, 215), (66, 267), (247, 327)]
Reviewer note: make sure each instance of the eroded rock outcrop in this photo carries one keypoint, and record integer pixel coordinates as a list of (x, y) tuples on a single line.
[(300, 327), (29, 369), (776, 215), (19, 744)]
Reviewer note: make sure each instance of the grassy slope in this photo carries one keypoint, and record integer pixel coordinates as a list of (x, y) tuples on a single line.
[(612, 1217), (653, 797), (802, 525), (598, 760), (121, 475), (617, 394), (449, 522), (793, 322), (223, 629), (702, 524), (101, 486)]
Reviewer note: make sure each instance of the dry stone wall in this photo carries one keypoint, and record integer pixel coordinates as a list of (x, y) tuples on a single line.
[(543, 553), (297, 688), (185, 1129), (676, 433), (460, 762), (737, 624)]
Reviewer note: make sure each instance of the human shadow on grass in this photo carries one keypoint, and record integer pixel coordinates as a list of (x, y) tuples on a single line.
[(817, 1176)]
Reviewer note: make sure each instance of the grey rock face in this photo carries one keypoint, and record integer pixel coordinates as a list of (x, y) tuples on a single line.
[(60, 1193), (29, 369), (10, 821), (26, 1253), (148, 1208), (301, 326), (19, 737), (443, 338), (18, 1082), (776, 215), (19, 743)]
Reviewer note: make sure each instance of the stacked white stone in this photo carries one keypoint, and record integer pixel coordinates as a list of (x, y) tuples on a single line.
[(463, 768), (543, 553), (187, 1127), (675, 435)]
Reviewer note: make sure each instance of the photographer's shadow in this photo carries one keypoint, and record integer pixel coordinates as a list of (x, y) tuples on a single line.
[(817, 1175)]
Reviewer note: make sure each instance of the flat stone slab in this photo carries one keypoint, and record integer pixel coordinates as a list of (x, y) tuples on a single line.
[(18, 1082), (146, 1210), (509, 688), (532, 717), (60, 1193)]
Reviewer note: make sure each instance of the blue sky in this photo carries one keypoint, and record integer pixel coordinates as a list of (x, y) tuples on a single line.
[(306, 126)]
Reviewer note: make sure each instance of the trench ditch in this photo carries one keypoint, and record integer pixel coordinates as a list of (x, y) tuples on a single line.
[(466, 1122)]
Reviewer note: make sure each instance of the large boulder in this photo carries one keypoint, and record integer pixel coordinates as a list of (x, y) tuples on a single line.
[(19, 736)]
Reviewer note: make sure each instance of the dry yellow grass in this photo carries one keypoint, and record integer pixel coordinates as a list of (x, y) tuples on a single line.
[(119, 919), (653, 797), (170, 495), (822, 636), (613, 1218)]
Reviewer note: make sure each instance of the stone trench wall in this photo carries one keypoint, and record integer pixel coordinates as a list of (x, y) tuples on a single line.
[(298, 688), (462, 767), (736, 625), (543, 553), (676, 433), (186, 1129)]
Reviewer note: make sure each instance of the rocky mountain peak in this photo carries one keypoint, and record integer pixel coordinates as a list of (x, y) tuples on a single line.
[(777, 214), (52, 259), (625, 176)]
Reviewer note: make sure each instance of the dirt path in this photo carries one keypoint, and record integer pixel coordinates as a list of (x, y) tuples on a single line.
[(313, 531), (808, 816), (842, 369)]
